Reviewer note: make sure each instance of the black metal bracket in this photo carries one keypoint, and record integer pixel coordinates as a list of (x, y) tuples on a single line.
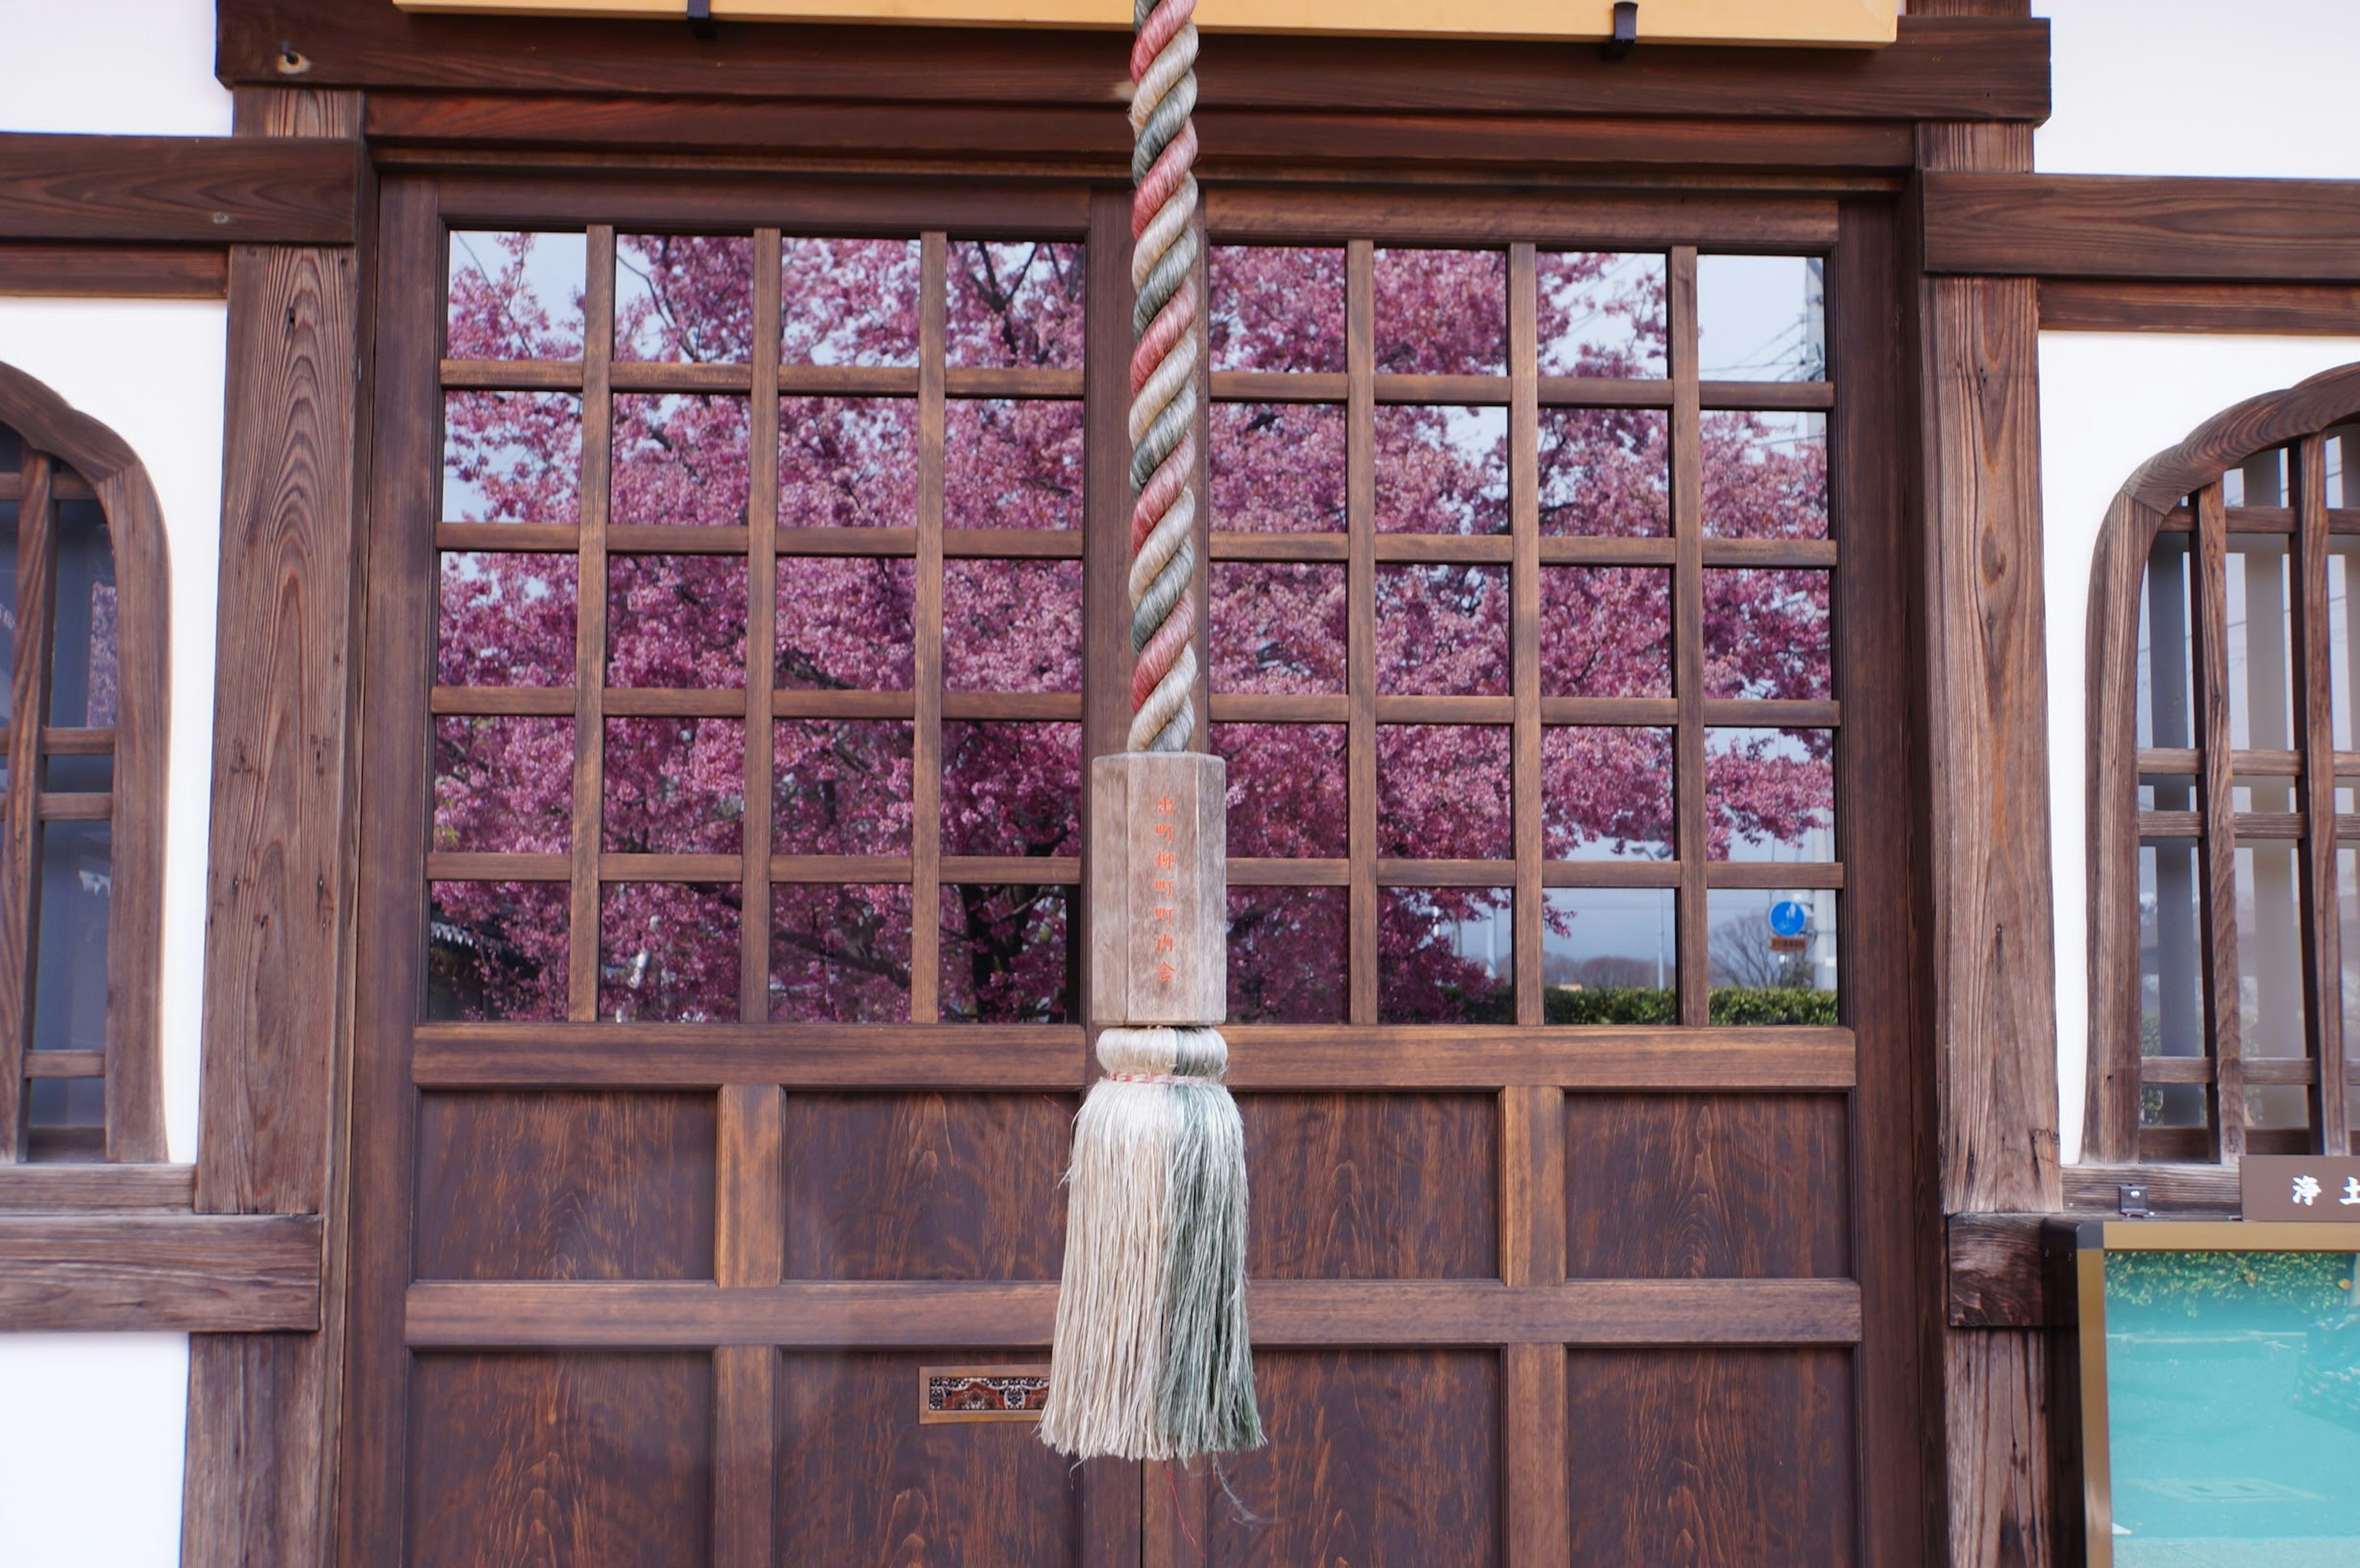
[(1626, 30)]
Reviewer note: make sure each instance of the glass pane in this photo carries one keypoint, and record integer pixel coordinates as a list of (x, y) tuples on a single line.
[(84, 681), (496, 951), (1762, 318), (840, 786), (840, 954), (2259, 481), (1600, 314), (1012, 625), (1445, 955), (1277, 308), (2261, 645), (1606, 471), (1610, 955), (845, 624), (70, 969), (2166, 792), (1606, 631), (2167, 693), (668, 951), (504, 785), (1278, 468), (1013, 465), (1009, 955), (1011, 789), (72, 774), (2339, 648), (516, 296), (681, 459), (1442, 470), (684, 297), (1766, 475), (68, 1118), (1770, 794), (2171, 977), (1606, 794), (1287, 955), (1772, 956), (676, 621), (1287, 790), (1443, 792), (2253, 792), (511, 457), (1277, 627), (1442, 312), (1442, 630), (675, 786), (848, 463), (1016, 304), (506, 620), (2229, 1391), (2269, 949), (1766, 635), (848, 301), (9, 463)]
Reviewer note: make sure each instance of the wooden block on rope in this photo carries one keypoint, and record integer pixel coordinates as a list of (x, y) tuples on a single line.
[(1159, 888)]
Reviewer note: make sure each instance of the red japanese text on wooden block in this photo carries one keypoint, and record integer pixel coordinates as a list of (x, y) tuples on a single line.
[(1159, 891)]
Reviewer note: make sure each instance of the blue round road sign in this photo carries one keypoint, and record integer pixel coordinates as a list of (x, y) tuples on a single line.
[(1788, 918)]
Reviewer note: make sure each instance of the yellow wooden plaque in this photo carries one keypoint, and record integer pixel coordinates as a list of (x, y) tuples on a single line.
[(1843, 23)]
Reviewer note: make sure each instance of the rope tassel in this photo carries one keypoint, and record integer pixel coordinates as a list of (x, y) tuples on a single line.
[(1151, 1359)]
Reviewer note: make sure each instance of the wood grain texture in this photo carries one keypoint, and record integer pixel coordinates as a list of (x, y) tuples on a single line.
[(1698, 1186), (2002, 1501), (2134, 226), (594, 1459), (1712, 1457), (2217, 844), (189, 189), (1940, 68), (2314, 735), (1390, 1460), (915, 1186), (859, 1480), (2191, 1190), (97, 1189), (114, 271), (20, 837), (565, 1186), (745, 1455), (1998, 1275), (1371, 1186), (179, 1273), (2291, 310)]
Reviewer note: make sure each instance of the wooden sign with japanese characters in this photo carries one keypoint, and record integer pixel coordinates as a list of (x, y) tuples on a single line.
[(2322, 1189), (1159, 897)]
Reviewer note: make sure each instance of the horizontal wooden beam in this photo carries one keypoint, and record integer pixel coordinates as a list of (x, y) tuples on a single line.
[(2133, 226), (1940, 68), (217, 190), (2279, 310), (115, 271), (2185, 1191), (183, 1273), (97, 1189), (889, 1314)]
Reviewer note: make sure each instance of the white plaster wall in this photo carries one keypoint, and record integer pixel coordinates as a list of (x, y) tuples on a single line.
[(2255, 87), (91, 1426)]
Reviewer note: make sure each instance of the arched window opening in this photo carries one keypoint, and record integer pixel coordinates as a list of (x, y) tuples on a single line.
[(2224, 853), (83, 629)]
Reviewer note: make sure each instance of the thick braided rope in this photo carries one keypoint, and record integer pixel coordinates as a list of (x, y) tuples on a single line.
[(1163, 375)]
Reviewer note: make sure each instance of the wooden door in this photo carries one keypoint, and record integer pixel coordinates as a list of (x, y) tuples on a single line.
[(717, 1032)]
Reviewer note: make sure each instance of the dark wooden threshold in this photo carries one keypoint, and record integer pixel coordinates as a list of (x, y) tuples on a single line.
[(1997, 1273), (182, 1273), (208, 191)]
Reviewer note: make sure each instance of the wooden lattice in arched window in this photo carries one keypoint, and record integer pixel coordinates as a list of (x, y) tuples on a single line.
[(83, 627), (2223, 765)]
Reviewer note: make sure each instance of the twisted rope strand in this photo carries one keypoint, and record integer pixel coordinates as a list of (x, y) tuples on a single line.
[(1162, 421)]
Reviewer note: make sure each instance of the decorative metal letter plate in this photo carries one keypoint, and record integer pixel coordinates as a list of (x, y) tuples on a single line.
[(981, 1394)]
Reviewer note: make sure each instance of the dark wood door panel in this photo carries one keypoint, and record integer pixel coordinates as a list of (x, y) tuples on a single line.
[(1702, 1186), (926, 1186), (1378, 1459), (565, 1186), (1712, 1458), (584, 1461), (1373, 1186), (861, 1481)]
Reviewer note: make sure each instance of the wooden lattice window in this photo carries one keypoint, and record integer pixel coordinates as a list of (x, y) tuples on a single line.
[(2223, 762), (84, 616)]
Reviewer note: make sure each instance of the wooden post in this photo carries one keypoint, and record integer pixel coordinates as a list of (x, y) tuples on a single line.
[(263, 1407), (1992, 959)]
